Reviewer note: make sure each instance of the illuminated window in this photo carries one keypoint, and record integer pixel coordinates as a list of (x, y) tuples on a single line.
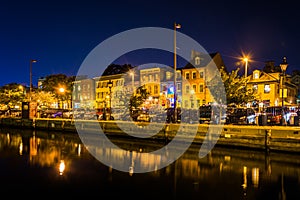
[(155, 89), (194, 88), (197, 61), (267, 88), (255, 87), (168, 75), (256, 75), (201, 74)]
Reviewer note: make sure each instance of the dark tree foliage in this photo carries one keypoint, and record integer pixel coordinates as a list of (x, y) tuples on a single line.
[(12, 93), (52, 83), (235, 87)]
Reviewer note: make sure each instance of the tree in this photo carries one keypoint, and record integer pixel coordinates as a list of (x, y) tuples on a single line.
[(53, 83), (138, 99), (12, 94), (235, 86)]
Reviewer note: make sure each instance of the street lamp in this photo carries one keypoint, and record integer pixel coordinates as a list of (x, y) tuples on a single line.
[(283, 67), (62, 91), (245, 59), (30, 84), (176, 26), (132, 81), (110, 84)]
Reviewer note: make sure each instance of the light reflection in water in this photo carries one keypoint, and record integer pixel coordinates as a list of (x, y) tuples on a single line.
[(218, 168)]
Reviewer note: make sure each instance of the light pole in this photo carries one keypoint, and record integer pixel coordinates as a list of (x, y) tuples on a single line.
[(176, 26), (283, 67), (62, 92), (245, 59), (110, 84), (30, 73), (132, 81)]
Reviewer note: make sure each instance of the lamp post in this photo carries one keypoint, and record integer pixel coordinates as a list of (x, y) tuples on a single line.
[(245, 59), (132, 81), (30, 73), (62, 91), (283, 67), (176, 26), (110, 84)]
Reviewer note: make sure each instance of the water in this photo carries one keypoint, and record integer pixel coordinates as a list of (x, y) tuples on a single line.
[(42, 164)]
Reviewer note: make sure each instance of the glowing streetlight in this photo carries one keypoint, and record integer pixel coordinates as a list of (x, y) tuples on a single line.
[(176, 26), (62, 92)]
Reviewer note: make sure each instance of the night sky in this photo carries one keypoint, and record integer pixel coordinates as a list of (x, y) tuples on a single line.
[(60, 34)]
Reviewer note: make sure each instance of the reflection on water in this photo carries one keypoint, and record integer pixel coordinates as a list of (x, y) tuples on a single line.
[(55, 162)]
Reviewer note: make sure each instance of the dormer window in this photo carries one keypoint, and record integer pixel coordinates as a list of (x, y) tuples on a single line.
[(256, 74), (197, 60)]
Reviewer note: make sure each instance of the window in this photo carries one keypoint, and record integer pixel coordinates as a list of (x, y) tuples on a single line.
[(255, 87), (149, 89), (201, 86), (198, 103), (187, 75), (187, 89), (194, 75), (155, 89), (256, 75), (197, 61), (267, 88), (168, 75), (201, 74), (178, 88), (186, 103), (194, 88)]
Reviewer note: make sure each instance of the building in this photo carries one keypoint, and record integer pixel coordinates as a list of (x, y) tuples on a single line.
[(296, 80), (196, 76), (267, 88), (83, 93)]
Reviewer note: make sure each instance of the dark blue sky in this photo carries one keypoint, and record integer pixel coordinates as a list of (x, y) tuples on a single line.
[(60, 34)]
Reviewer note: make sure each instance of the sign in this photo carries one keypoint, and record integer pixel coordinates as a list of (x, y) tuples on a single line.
[(32, 110)]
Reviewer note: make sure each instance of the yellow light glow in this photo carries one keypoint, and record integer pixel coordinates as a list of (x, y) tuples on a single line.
[(62, 90), (62, 167)]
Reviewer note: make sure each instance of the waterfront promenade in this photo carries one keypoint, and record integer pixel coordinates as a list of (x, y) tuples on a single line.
[(270, 138)]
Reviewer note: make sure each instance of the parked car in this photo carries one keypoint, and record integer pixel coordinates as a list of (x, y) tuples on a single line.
[(241, 116), (274, 115), (212, 114), (143, 116), (90, 114), (56, 113), (78, 113)]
